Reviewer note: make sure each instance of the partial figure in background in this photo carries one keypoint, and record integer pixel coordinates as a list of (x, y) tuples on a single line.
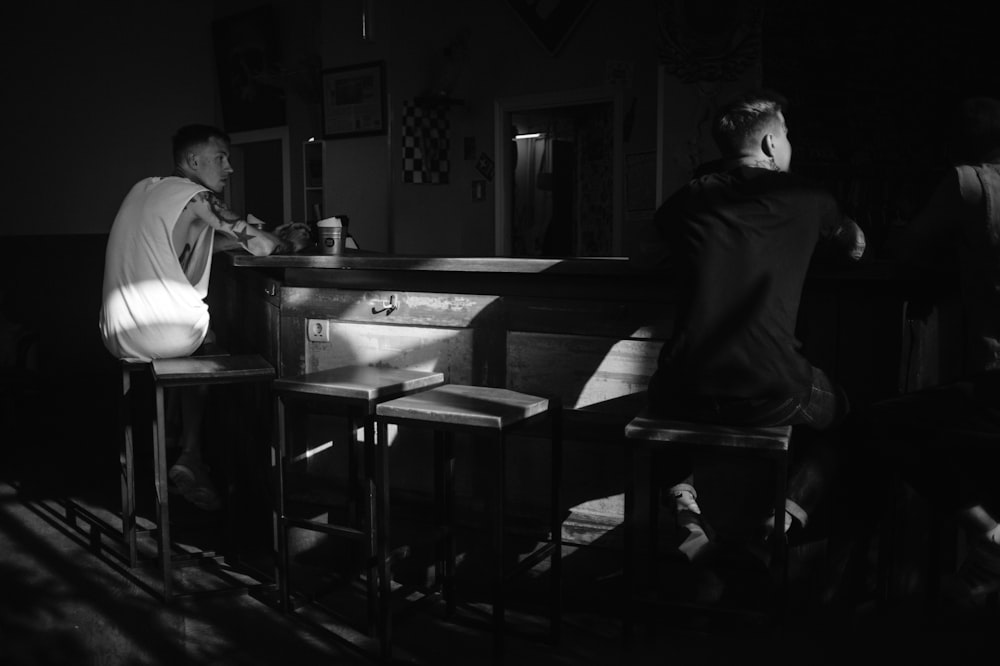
[(739, 240), (156, 275), (956, 234)]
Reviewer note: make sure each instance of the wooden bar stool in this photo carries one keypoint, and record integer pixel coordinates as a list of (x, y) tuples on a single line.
[(648, 435), (169, 374), (483, 411), (352, 392)]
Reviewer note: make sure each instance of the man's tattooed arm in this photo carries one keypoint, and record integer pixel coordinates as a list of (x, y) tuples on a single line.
[(230, 222), (218, 215)]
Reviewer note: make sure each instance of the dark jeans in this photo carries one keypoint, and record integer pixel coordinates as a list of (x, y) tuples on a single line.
[(816, 451)]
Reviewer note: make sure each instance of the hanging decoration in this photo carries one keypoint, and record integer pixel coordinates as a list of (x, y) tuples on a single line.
[(425, 141), (550, 21), (709, 40)]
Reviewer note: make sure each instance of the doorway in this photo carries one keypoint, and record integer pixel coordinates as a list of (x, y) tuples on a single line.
[(559, 172), (261, 180)]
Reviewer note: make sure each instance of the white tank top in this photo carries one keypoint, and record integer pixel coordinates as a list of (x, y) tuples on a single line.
[(151, 307)]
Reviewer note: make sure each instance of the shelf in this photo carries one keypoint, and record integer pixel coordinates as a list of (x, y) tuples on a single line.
[(313, 172)]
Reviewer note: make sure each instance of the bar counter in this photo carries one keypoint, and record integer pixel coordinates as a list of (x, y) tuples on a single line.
[(853, 317), (584, 331)]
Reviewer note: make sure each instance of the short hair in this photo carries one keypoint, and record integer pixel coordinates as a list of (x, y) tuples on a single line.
[(192, 136), (741, 122), (976, 125)]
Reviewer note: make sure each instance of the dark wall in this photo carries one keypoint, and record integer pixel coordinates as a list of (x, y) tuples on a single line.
[(872, 89), (92, 94)]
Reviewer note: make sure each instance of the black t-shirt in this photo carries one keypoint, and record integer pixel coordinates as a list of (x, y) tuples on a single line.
[(739, 245)]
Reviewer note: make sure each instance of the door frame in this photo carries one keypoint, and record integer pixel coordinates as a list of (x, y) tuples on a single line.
[(257, 136), (504, 151)]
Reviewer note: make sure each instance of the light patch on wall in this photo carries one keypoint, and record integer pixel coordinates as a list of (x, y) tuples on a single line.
[(447, 350)]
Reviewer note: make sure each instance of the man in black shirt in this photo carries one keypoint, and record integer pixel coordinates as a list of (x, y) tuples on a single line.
[(739, 242)]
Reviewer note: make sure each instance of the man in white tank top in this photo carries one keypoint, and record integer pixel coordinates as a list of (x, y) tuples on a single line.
[(156, 274)]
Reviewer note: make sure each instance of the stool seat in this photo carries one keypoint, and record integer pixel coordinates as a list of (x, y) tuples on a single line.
[(192, 370), (648, 428), (361, 383), (473, 406)]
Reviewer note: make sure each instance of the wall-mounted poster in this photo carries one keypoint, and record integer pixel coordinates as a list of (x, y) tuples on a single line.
[(354, 100)]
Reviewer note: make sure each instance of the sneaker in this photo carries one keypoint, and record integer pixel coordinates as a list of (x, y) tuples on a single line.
[(980, 571), (696, 535), (193, 484)]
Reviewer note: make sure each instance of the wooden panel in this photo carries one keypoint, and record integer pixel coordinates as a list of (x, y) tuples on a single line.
[(244, 311), (411, 308), (445, 350), (617, 319), (580, 370)]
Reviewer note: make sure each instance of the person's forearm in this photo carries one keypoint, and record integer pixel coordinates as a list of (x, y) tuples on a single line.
[(224, 243)]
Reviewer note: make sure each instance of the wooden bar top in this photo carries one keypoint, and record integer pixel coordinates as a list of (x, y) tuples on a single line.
[(866, 270), (374, 261)]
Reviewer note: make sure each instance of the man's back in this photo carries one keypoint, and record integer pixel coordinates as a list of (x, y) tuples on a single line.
[(740, 243), (152, 307)]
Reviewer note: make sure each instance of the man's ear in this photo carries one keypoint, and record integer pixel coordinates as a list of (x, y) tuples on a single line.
[(767, 145)]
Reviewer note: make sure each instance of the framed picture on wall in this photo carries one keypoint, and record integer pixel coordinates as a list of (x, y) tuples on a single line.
[(354, 100), (246, 51)]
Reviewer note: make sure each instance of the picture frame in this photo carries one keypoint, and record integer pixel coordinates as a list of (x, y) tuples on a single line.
[(354, 102), (247, 51)]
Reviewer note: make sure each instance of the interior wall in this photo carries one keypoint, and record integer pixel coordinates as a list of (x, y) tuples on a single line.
[(495, 55), (96, 83), (92, 97)]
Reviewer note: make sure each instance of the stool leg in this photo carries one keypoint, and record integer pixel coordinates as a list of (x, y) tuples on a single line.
[(282, 561), (355, 505), (439, 520), (497, 520), (938, 534), (382, 540), (444, 503), (779, 545), (369, 527), (555, 565), (162, 492), (231, 545), (127, 467), (628, 542), (354, 490), (653, 529), (651, 492)]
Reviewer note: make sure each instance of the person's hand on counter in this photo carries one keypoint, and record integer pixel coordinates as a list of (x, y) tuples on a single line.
[(294, 237)]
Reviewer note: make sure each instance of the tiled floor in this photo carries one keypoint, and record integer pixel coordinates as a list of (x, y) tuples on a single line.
[(65, 602)]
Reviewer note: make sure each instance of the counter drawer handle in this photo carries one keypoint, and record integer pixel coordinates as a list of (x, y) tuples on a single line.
[(388, 306)]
